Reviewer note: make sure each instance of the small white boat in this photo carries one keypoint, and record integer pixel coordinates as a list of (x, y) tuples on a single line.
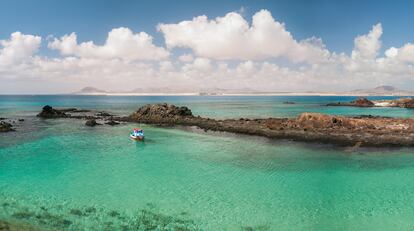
[(137, 134)]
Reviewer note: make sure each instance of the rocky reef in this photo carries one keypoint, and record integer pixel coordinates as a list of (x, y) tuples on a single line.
[(50, 113), (359, 102), (364, 102), (402, 102), (90, 116), (5, 127), (311, 127)]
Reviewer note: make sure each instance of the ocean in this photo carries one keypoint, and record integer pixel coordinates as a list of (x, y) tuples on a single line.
[(61, 175)]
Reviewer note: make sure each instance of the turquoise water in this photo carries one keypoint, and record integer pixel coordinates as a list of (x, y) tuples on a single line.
[(210, 106), (59, 174)]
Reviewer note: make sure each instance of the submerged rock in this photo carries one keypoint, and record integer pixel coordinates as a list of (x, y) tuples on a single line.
[(74, 110), (7, 226), (103, 114), (112, 122), (5, 127), (91, 123), (50, 113)]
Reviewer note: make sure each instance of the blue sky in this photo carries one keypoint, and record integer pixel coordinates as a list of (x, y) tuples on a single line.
[(285, 45), (336, 22)]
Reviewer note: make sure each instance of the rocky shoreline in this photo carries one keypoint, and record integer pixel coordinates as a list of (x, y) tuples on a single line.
[(90, 116), (308, 127), (364, 102)]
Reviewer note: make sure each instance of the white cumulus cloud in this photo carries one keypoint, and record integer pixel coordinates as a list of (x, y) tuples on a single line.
[(121, 43), (232, 38), (404, 53), (226, 52), (367, 46), (19, 47)]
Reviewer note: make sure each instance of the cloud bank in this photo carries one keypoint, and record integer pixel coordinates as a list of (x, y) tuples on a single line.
[(225, 52)]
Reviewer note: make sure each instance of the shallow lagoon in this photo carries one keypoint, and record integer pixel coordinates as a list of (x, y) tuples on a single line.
[(60, 174)]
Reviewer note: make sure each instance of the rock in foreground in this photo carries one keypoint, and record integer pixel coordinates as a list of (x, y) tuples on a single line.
[(50, 113), (5, 127)]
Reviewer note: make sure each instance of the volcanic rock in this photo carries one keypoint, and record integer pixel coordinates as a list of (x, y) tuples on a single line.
[(161, 112), (91, 123), (363, 102), (49, 113), (360, 102), (5, 127)]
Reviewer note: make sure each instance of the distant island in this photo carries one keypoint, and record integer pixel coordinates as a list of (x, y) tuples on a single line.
[(377, 91)]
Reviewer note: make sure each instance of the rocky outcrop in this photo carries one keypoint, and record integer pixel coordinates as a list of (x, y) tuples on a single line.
[(359, 102), (364, 102), (310, 127), (50, 113), (161, 113), (91, 123), (402, 102), (5, 127)]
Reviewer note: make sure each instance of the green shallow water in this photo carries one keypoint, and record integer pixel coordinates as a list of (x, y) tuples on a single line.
[(70, 177), (61, 175)]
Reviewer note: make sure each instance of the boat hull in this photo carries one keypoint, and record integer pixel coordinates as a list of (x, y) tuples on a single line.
[(139, 138)]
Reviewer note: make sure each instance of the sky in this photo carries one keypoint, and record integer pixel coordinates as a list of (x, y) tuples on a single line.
[(51, 47)]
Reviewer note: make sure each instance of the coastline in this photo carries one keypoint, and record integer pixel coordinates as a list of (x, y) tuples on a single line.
[(220, 94), (308, 127), (240, 94)]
